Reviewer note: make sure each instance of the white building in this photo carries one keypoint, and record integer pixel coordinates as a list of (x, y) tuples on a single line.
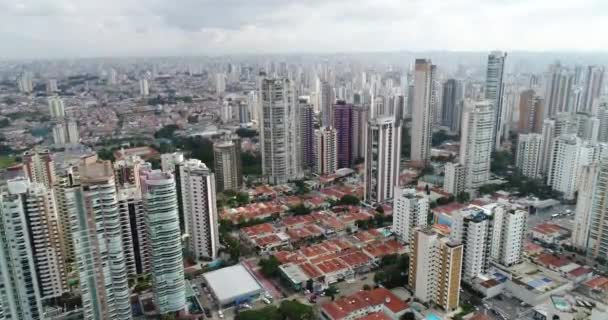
[(454, 178), (494, 93), (227, 164), (56, 108), (19, 289), (602, 115), (97, 237), (528, 156), (144, 88), (597, 243), (558, 89), (594, 83), (568, 155), (587, 126), (220, 84), (24, 82), (422, 112), (162, 224), (326, 150), (508, 233), (382, 158), (409, 211), (472, 227), (279, 141), (548, 134), (197, 185), (168, 161), (51, 86), (586, 186), (476, 143)]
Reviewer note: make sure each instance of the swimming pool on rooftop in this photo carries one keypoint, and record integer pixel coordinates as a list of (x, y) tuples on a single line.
[(432, 316)]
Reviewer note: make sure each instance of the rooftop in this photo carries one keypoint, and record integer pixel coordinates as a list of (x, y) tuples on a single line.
[(231, 282)]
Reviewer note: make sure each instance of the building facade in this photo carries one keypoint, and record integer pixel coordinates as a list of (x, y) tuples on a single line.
[(326, 150), (227, 163), (476, 143), (528, 156), (494, 92), (422, 112), (409, 212)]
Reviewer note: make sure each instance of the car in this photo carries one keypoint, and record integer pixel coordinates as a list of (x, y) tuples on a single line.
[(220, 314), (266, 301), (268, 296)]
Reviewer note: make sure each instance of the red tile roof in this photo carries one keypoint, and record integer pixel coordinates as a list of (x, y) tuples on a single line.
[(548, 228), (343, 307), (598, 283), (258, 230), (375, 316), (579, 272), (551, 260)]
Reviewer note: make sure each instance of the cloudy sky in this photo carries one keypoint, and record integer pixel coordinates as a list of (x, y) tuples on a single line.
[(89, 28)]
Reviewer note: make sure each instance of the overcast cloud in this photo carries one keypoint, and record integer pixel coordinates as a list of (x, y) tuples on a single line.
[(77, 28)]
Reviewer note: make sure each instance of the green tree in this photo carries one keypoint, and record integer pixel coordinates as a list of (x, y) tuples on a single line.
[(106, 154), (331, 291), (252, 163), (300, 210), (166, 132), (270, 266), (367, 287), (463, 197), (294, 310), (242, 198), (349, 200), (408, 316), (266, 313)]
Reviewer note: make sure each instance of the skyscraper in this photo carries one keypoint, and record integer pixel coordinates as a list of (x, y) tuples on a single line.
[(584, 203), (594, 82), (451, 110), (326, 147), (382, 158), (40, 167), (422, 112), (568, 155), (97, 237), (476, 143), (435, 268), (56, 108), (280, 143), (508, 233), (559, 87), (344, 124), (227, 163), (307, 128), (326, 97), (359, 132), (494, 92), (409, 212), (548, 134), (597, 242), (454, 178), (530, 112), (528, 156), (51, 86), (220, 84), (19, 289), (144, 89), (198, 193), (473, 228), (602, 115), (162, 224)]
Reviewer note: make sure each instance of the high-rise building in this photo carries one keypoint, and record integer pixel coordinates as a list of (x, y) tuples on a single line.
[(494, 92), (19, 290), (280, 143), (410, 211), (476, 143), (530, 112), (67, 178), (452, 99), (227, 163), (528, 156), (602, 115), (43, 228), (144, 88), (587, 126), (559, 87), (454, 178), (198, 194), (548, 134), (112, 77), (307, 129), (473, 228), (594, 82), (40, 167), (24, 82), (97, 236), (169, 162), (56, 108), (435, 268), (422, 112), (326, 149), (344, 125), (508, 233), (568, 155), (382, 158), (359, 132), (586, 190), (326, 97), (162, 224), (220, 84), (597, 242)]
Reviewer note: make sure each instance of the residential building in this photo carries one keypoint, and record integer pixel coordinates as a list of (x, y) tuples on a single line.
[(559, 86), (56, 108), (410, 211), (51, 86), (326, 149), (602, 115), (594, 83), (472, 227), (548, 134), (19, 289), (307, 128), (494, 93), (327, 98), (344, 125), (476, 143), (382, 159), (359, 132), (162, 224), (454, 178), (39, 167), (97, 236), (531, 112), (568, 155), (422, 112), (197, 184), (227, 163), (144, 88), (587, 182), (597, 242), (435, 269), (508, 234), (220, 84), (528, 156), (452, 100), (279, 141), (587, 126)]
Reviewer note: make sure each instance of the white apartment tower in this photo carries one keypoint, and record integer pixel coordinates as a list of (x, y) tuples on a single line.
[(435, 268), (494, 92), (476, 143), (473, 228), (409, 212), (227, 163), (382, 157), (597, 242), (508, 233), (280, 143), (559, 87), (19, 290), (582, 220), (422, 112), (162, 225), (454, 178), (568, 155), (528, 156), (220, 84), (326, 150), (594, 83), (97, 237), (144, 88), (197, 185), (56, 108)]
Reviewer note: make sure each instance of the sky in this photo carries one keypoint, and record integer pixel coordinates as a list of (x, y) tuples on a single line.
[(94, 28)]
